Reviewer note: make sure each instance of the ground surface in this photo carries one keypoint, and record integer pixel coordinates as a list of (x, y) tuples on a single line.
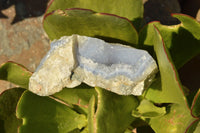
[(23, 40)]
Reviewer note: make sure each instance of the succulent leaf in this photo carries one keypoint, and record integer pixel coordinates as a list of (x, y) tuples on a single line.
[(44, 114), (167, 88), (182, 40), (147, 109), (78, 97), (108, 27), (113, 111), (175, 121), (178, 117), (8, 102), (15, 73), (195, 109), (131, 9), (189, 23), (91, 117), (197, 130), (193, 127)]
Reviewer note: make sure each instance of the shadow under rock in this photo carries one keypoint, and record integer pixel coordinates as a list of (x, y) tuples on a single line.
[(190, 7), (24, 8), (161, 10), (189, 74)]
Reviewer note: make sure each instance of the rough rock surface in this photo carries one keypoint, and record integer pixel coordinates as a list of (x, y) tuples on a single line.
[(24, 42), (74, 59)]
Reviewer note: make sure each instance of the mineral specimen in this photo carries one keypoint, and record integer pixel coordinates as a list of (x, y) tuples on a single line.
[(74, 59)]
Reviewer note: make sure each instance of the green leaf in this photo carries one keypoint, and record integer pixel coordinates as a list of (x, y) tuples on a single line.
[(182, 40), (15, 73), (167, 88), (195, 109), (197, 130), (176, 120), (189, 23), (91, 113), (75, 131), (147, 109), (8, 102), (131, 9), (86, 22), (47, 115), (193, 127), (113, 114), (78, 97)]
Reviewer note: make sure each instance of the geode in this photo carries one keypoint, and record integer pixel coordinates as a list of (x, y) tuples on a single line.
[(74, 59)]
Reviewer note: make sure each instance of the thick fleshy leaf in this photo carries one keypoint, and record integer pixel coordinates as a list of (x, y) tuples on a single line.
[(167, 88), (147, 109), (131, 9), (195, 109), (43, 114), (109, 27), (113, 111), (8, 102), (194, 126), (91, 118), (189, 23), (78, 98), (197, 130), (15, 73), (175, 121), (182, 40)]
